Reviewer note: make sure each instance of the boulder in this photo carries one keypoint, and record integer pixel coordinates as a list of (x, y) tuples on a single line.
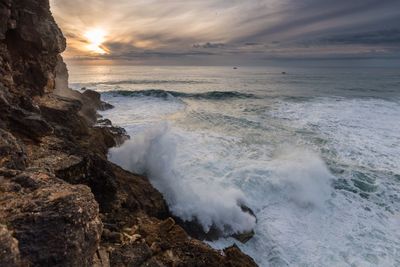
[(94, 98), (56, 224), (195, 229)]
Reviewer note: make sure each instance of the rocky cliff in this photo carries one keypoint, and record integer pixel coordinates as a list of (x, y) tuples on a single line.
[(61, 202)]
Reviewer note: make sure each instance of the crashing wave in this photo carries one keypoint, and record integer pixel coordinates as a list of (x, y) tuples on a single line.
[(212, 95)]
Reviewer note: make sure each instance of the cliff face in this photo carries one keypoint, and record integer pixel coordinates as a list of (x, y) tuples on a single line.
[(61, 202)]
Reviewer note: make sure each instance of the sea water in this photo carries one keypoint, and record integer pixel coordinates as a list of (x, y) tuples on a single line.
[(314, 152)]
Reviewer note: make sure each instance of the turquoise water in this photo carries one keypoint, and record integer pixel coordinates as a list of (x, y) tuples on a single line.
[(314, 152)]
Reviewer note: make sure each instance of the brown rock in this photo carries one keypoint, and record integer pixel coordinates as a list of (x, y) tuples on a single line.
[(130, 255), (54, 222), (12, 154), (101, 258), (9, 252), (94, 98)]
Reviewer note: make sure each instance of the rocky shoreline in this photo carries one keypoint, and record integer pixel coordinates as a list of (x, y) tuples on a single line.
[(62, 203)]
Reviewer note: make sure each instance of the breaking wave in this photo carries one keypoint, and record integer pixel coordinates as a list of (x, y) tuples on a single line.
[(212, 95), (138, 82), (212, 204)]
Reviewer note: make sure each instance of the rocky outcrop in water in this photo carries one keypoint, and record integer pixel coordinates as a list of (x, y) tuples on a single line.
[(61, 202)]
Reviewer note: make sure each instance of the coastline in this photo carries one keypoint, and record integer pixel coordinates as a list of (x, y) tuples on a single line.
[(62, 203)]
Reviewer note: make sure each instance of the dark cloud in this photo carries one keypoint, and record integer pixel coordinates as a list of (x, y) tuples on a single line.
[(209, 45), (380, 37)]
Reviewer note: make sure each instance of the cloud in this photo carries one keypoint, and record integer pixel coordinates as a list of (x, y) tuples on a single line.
[(380, 37), (209, 45), (180, 28)]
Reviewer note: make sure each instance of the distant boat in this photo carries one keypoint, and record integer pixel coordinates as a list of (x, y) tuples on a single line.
[(283, 72), (235, 68)]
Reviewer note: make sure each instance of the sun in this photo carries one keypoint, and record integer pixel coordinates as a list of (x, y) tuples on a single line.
[(95, 39)]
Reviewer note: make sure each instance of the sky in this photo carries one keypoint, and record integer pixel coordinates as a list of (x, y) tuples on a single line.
[(229, 31)]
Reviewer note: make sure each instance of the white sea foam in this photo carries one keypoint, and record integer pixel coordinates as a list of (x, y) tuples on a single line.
[(153, 152), (362, 132), (301, 176)]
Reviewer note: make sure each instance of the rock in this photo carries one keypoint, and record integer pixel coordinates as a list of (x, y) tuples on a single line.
[(104, 123), (112, 237), (29, 124), (63, 114), (171, 246), (245, 236), (105, 106), (101, 258), (5, 13), (12, 154), (195, 229), (9, 252), (55, 223), (130, 255), (113, 136), (94, 98), (236, 258)]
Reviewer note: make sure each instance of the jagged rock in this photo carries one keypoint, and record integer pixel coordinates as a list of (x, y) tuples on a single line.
[(165, 243), (95, 98), (12, 154), (236, 258), (32, 125), (195, 229), (113, 136), (32, 41), (62, 113), (130, 255)]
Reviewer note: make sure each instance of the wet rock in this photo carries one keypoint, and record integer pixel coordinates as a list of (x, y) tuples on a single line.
[(112, 135), (195, 229), (171, 246), (94, 98), (236, 258), (244, 237)]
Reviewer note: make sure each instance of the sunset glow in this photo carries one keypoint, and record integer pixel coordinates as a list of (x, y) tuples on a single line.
[(95, 39)]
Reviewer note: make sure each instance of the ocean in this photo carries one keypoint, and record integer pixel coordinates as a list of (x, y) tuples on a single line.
[(314, 152)]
